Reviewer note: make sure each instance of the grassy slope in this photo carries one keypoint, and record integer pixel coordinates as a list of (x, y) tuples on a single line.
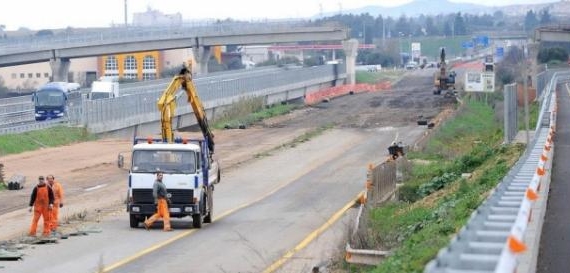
[(440, 201), (33, 140)]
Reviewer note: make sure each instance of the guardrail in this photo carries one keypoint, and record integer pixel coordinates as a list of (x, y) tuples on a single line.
[(16, 129), (7, 119), (492, 240)]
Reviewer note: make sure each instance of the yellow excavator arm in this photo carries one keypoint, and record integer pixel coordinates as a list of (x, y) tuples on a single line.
[(167, 107)]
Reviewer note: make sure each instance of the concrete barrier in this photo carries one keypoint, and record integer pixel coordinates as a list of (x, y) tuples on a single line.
[(337, 91)]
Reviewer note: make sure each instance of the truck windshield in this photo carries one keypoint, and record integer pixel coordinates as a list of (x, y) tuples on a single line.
[(99, 95), (50, 97), (168, 161)]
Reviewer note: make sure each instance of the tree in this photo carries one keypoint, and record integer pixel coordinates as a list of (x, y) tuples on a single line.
[(459, 27), (431, 29), (530, 21), (403, 26), (447, 29), (545, 17), (546, 55)]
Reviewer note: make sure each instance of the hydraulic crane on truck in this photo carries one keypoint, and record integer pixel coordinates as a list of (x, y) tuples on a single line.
[(188, 167), (167, 107)]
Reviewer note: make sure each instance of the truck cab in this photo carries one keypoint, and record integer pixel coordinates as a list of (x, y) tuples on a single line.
[(50, 101), (188, 174)]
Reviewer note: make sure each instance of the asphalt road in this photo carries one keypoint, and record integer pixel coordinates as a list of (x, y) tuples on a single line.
[(269, 206)]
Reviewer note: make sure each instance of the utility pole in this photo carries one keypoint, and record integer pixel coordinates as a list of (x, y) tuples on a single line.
[(126, 21)]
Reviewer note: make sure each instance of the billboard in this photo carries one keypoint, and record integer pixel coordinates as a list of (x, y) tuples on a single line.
[(416, 50), (479, 82)]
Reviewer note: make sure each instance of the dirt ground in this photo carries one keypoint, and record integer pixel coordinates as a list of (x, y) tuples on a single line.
[(93, 182)]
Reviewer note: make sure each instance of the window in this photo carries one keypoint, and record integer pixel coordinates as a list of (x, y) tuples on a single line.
[(148, 62), (111, 63), (130, 75), (22, 75), (166, 160), (30, 75), (38, 75), (110, 74), (130, 63), (14, 76), (46, 75), (149, 76)]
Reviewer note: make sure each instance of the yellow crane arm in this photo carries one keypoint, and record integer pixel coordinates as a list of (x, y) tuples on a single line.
[(167, 107)]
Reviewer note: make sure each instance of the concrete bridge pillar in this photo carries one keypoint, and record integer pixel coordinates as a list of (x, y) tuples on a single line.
[(350, 50), (59, 69), (202, 55)]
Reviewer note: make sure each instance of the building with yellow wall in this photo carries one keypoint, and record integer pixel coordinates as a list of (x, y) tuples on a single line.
[(136, 66)]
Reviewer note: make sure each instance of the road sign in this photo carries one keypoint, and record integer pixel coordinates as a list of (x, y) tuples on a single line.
[(500, 52), (479, 82), (483, 40), (468, 44), (416, 50)]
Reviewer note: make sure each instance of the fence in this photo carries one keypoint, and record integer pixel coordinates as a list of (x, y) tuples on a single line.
[(381, 186), (139, 108)]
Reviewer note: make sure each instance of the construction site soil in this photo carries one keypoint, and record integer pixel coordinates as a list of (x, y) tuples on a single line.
[(94, 184)]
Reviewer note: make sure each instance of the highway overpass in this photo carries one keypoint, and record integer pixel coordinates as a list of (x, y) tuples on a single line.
[(58, 50)]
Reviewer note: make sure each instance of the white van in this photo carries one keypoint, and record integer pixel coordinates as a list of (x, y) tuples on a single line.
[(104, 90)]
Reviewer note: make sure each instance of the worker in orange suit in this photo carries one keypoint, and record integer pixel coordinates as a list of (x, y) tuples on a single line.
[(160, 195), (57, 203), (42, 203)]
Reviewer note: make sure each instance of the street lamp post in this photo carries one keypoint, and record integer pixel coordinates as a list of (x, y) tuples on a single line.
[(400, 34)]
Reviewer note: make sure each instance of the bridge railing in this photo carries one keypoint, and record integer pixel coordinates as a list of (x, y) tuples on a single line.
[(133, 34), (493, 238)]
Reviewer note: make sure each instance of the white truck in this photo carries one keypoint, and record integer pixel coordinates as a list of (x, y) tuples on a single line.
[(104, 90), (189, 170)]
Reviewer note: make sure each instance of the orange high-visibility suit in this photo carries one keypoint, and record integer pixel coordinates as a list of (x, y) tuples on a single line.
[(57, 203), (42, 201), (160, 194)]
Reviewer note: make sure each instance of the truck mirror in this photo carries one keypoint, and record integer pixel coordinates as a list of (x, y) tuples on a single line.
[(120, 161)]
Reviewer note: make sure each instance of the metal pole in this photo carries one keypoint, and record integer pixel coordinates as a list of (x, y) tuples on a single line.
[(525, 94), (526, 116), (126, 21)]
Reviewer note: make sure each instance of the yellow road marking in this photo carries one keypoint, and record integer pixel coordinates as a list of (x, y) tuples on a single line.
[(155, 247), (312, 236)]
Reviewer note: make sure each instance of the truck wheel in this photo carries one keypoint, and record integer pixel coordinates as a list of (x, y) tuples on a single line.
[(197, 220), (210, 207), (134, 221)]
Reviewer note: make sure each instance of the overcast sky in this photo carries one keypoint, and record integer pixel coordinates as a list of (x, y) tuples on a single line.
[(48, 14)]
